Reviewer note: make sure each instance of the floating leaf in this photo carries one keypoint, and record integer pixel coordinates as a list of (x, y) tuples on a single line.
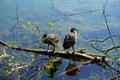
[(28, 24), (50, 23), (53, 28), (34, 28)]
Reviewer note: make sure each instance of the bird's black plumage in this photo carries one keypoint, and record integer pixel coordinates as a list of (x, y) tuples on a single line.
[(70, 39)]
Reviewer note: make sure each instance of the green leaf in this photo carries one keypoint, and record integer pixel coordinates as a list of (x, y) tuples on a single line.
[(34, 28), (28, 24), (50, 23), (53, 28)]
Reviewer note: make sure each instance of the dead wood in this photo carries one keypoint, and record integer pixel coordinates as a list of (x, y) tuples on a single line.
[(77, 56)]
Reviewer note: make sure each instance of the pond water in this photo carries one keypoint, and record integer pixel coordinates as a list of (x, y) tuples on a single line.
[(23, 22)]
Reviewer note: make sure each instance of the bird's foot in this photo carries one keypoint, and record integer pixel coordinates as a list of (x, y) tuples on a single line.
[(53, 52), (73, 52), (67, 52), (48, 50)]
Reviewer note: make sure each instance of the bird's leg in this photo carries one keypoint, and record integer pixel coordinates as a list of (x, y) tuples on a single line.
[(74, 62), (48, 48), (54, 48), (73, 49), (67, 51), (69, 61)]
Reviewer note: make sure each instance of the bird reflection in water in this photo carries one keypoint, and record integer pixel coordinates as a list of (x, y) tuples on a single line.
[(72, 69), (52, 66)]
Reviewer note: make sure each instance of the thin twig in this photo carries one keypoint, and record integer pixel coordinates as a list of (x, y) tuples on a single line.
[(115, 47), (114, 69), (105, 38), (90, 11), (17, 23), (108, 27), (105, 51), (116, 77), (93, 46)]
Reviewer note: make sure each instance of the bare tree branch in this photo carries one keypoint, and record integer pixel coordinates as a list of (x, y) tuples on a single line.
[(73, 56)]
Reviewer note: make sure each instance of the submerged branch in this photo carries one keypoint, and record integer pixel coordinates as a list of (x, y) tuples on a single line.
[(116, 77), (93, 46), (103, 51), (108, 28), (115, 47), (4, 43), (90, 11), (113, 68), (85, 63), (105, 38)]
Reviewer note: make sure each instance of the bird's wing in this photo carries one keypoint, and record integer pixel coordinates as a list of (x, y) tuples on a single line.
[(52, 39), (69, 36), (69, 40)]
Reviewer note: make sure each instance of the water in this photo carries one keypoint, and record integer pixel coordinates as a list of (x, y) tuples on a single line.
[(35, 14)]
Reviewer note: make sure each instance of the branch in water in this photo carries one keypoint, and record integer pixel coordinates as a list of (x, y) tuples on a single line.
[(106, 51), (108, 28), (105, 38), (85, 63), (77, 56), (116, 77), (90, 11), (4, 44)]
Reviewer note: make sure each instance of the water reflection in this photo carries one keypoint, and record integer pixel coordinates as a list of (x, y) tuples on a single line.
[(73, 72), (52, 66)]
